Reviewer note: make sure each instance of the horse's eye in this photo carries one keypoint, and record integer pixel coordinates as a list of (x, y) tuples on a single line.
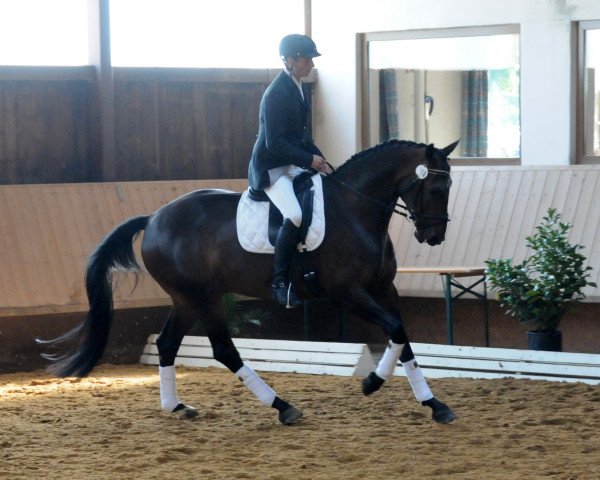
[(441, 188)]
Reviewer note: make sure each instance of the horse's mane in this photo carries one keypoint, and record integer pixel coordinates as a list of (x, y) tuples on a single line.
[(361, 155)]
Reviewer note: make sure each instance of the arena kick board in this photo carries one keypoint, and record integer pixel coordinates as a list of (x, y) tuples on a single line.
[(442, 361), (324, 358), (346, 359)]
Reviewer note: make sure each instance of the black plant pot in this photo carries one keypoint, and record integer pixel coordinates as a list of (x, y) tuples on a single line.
[(549, 341)]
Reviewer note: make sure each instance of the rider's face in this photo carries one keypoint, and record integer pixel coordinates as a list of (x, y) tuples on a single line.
[(300, 66)]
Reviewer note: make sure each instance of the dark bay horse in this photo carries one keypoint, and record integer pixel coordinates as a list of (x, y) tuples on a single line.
[(190, 247)]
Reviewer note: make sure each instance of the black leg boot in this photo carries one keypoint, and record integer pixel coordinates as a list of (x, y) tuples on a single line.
[(285, 244)]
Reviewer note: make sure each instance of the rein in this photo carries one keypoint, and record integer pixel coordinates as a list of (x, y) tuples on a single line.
[(409, 214)]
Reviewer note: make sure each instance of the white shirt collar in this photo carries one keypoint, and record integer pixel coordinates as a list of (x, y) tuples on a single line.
[(296, 81)]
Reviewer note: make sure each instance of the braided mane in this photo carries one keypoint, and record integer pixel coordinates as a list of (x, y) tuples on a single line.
[(361, 155)]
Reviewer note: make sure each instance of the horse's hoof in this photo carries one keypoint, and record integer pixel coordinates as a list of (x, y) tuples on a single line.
[(443, 416), (372, 383), (185, 412), (290, 415), (441, 412)]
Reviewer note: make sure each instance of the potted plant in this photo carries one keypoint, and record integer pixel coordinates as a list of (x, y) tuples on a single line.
[(545, 285)]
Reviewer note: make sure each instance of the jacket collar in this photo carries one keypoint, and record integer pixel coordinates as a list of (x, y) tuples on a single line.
[(293, 88)]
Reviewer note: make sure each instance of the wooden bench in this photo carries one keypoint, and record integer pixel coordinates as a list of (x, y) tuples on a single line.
[(439, 361), (343, 359), (450, 275)]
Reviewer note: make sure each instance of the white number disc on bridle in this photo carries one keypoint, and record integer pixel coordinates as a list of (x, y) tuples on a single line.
[(422, 172)]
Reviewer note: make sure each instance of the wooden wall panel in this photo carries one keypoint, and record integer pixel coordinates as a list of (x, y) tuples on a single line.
[(170, 124), (493, 209), (136, 132), (44, 131), (48, 231), (184, 129)]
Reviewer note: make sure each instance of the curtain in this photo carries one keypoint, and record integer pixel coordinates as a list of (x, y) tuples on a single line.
[(388, 105), (475, 113)]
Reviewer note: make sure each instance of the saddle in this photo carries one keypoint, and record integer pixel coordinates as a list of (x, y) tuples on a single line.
[(258, 220)]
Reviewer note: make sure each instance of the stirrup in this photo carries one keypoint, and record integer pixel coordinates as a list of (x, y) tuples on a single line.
[(283, 294)]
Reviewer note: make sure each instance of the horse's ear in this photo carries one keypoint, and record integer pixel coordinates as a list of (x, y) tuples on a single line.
[(429, 151), (448, 150)]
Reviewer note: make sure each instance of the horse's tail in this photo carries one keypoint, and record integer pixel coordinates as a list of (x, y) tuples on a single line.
[(91, 336)]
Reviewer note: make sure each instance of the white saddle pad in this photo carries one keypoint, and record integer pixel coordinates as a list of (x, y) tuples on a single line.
[(253, 222)]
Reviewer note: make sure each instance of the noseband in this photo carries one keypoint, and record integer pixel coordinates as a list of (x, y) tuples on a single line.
[(420, 220)]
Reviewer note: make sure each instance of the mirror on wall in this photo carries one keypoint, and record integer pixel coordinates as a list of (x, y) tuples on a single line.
[(591, 98), (437, 86)]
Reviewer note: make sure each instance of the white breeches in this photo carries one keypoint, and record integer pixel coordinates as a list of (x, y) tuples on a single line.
[(281, 193)]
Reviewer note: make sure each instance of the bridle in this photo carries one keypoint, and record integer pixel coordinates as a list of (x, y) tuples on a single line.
[(419, 219), (422, 220)]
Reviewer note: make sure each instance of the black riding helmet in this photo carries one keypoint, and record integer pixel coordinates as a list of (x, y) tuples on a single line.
[(296, 45)]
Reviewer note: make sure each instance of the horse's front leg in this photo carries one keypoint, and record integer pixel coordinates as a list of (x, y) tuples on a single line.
[(388, 317), (225, 352)]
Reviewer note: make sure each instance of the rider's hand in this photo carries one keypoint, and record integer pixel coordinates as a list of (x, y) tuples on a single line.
[(320, 165)]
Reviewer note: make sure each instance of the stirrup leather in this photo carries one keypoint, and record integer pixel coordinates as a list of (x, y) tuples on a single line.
[(283, 294)]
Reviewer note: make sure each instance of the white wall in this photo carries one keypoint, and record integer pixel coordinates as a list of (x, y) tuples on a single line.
[(547, 101)]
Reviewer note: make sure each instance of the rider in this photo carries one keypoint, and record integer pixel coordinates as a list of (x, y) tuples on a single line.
[(283, 149)]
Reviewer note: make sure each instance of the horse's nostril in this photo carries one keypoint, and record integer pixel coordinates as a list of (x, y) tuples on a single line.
[(420, 236), (434, 240)]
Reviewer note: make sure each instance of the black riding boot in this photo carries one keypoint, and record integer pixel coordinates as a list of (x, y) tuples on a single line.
[(287, 238)]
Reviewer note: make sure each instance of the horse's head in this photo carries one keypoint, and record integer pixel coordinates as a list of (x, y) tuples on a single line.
[(418, 174), (426, 194)]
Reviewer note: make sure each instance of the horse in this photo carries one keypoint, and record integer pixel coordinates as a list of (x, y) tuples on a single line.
[(190, 247)]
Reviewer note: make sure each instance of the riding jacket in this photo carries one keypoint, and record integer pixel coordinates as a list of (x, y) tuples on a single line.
[(284, 131)]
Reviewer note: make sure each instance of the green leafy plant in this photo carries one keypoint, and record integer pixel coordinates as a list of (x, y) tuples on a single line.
[(239, 320), (541, 289)]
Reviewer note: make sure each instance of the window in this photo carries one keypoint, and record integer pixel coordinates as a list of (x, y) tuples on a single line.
[(588, 128), (440, 85), (42, 32), (191, 33)]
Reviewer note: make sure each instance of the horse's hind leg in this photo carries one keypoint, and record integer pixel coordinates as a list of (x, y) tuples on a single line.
[(225, 352), (168, 343)]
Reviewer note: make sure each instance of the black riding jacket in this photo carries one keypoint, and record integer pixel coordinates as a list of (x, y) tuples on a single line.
[(284, 133)]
